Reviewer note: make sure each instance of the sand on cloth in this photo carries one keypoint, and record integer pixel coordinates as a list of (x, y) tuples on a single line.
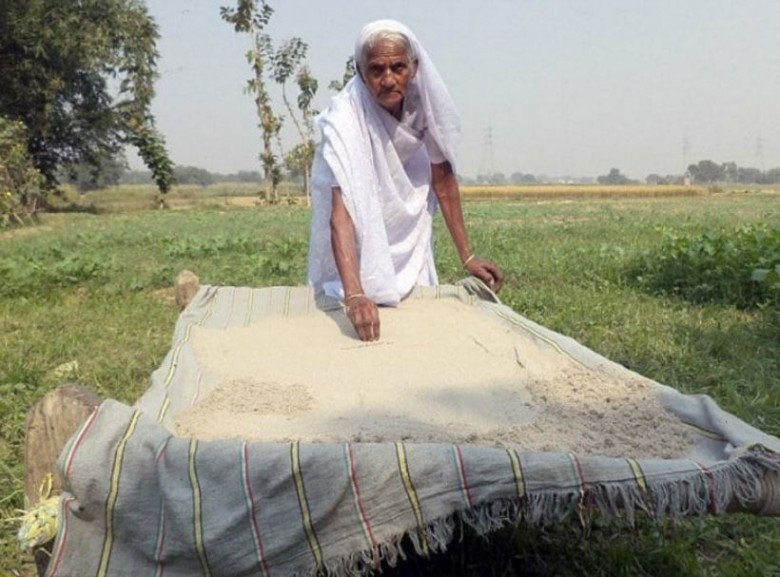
[(443, 371)]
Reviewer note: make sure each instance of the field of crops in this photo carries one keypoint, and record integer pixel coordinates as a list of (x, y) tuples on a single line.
[(93, 293)]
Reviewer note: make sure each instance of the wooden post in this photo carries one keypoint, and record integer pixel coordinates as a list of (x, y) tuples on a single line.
[(186, 285), (50, 424)]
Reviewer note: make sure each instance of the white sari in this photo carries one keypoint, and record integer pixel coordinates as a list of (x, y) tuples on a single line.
[(382, 167)]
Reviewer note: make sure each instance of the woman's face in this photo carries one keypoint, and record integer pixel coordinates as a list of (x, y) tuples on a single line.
[(387, 73)]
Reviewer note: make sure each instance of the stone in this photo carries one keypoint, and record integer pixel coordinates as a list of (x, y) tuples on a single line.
[(186, 285)]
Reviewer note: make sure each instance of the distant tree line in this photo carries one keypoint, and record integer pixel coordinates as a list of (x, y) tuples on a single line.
[(614, 177), (707, 172), (659, 179), (499, 178), (192, 175), (519, 178), (113, 171), (703, 172)]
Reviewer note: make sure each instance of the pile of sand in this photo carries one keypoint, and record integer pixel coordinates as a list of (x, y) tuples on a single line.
[(443, 371)]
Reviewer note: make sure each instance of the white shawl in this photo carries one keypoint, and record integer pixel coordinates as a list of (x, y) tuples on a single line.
[(384, 177)]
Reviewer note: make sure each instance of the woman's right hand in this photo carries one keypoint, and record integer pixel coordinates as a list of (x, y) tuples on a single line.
[(486, 271), (364, 316)]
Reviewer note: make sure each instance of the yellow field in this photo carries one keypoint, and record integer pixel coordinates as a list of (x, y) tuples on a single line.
[(579, 191), (131, 198)]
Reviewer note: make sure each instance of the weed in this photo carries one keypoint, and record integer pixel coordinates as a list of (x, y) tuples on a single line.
[(739, 267)]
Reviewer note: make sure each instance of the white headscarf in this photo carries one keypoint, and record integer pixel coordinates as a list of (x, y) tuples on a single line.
[(387, 194)]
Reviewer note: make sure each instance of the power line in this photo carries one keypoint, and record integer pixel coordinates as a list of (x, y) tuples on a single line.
[(487, 153), (760, 152)]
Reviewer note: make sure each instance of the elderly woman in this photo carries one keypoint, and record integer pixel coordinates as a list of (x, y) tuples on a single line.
[(386, 160)]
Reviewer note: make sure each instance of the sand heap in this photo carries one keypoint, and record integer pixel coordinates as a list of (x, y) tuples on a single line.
[(443, 371)]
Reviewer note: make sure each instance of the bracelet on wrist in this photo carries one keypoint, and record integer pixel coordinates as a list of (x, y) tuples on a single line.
[(468, 260), (353, 296)]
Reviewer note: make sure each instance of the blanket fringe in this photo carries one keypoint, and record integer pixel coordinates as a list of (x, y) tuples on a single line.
[(710, 491)]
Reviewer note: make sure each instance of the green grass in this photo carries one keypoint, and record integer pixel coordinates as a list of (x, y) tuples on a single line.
[(97, 289)]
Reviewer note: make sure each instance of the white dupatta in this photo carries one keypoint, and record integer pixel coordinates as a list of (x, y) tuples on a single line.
[(383, 171)]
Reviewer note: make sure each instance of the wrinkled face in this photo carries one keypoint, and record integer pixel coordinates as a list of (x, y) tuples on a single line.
[(387, 73)]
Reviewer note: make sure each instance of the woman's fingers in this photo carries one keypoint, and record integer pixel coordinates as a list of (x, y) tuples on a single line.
[(488, 272), (364, 316), (497, 276)]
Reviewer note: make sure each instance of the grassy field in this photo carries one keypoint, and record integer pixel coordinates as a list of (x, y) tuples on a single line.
[(97, 289)]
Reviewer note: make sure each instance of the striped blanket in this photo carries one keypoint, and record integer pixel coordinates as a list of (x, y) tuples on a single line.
[(139, 500)]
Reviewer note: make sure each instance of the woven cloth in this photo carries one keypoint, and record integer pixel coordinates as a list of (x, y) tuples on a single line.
[(141, 501)]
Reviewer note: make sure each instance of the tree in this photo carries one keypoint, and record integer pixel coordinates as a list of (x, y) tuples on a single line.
[(20, 181), (748, 175), (772, 176), (497, 178), (730, 171), (349, 71), (252, 17), (707, 171), (522, 178), (193, 175), (248, 176), (286, 60), (107, 172), (79, 74), (614, 177)]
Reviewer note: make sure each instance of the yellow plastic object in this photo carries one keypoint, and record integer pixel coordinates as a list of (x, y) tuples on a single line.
[(39, 524)]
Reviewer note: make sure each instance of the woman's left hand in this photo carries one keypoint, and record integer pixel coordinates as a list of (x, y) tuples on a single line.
[(486, 271)]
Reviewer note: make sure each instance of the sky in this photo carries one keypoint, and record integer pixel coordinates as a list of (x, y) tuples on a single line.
[(547, 87)]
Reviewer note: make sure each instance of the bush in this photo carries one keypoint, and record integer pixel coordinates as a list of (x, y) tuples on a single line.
[(21, 184), (739, 267)]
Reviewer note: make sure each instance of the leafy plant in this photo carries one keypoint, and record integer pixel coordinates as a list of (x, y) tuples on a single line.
[(52, 269), (20, 182), (193, 247), (284, 260), (739, 267)]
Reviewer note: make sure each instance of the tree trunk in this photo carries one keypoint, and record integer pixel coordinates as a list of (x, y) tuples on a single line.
[(269, 188), (307, 184)]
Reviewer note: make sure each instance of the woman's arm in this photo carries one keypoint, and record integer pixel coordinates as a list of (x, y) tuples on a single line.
[(445, 185), (361, 310)]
